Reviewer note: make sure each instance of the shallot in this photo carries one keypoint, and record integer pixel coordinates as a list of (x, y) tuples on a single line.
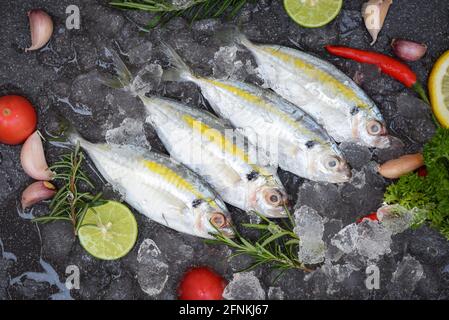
[(408, 50), (396, 168)]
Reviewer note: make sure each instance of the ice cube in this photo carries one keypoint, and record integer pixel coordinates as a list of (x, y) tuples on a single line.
[(244, 286), (148, 250), (369, 239), (224, 62), (373, 240), (152, 273), (346, 238), (310, 228), (395, 218), (147, 79), (130, 132), (275, 293), (404, 280)]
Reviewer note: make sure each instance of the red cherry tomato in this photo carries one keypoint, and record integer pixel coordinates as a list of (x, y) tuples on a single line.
[(201, 284), (371, 216), (422, 172), (17, 119)]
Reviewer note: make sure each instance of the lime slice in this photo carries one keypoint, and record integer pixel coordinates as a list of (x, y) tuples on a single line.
[(109, 231), (439, 89), (313, 13)]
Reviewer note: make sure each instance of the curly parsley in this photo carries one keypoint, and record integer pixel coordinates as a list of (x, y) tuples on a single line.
[(430, 194)]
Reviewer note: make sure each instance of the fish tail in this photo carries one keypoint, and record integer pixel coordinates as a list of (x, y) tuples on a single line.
[(123, 79), (232, 35), (179, 70), (63, 133)]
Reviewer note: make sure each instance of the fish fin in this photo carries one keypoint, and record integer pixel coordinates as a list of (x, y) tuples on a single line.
[(62, 133), (124, 76), (123, 79), (232, 35), (179, 70)]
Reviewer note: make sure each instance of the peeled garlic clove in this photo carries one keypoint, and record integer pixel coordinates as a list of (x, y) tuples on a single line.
[(374, 13), (37, 192), (41, 27), (33, 160)]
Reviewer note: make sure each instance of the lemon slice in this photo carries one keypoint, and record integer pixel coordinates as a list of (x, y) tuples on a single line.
[(313, 13), (109, 231), (439, 89)]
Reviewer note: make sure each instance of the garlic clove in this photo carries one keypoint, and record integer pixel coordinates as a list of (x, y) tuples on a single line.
[(374, 13), (408, 50), (33, 160), (41, 27), (37, 192)]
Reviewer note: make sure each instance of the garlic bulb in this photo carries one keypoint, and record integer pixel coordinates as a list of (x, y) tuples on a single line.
[(374, 13), (41, 27)]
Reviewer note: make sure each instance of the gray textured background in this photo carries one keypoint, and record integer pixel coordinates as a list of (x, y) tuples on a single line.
[(67, 69)]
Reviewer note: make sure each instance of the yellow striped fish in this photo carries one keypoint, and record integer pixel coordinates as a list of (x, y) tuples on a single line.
[(239, 172), (159, 187), (321, 90), (293, 139)]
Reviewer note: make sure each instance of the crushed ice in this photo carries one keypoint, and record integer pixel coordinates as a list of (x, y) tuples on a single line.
[(244, 286), (152, 273), (310, 229)]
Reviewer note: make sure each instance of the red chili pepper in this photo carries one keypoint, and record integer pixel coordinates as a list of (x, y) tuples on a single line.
[(422, 172), (388, 65), (371, 216)]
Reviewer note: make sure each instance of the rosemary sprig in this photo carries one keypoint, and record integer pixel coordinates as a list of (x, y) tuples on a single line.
[(193, 10), (69, 203), (276, 246)]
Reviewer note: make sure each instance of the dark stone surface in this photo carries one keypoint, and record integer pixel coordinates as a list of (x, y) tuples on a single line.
[(66, 69)]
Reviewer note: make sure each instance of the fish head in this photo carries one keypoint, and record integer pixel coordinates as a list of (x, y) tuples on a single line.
[(269, 197), (324, 162), (212, 218), (370, 131)]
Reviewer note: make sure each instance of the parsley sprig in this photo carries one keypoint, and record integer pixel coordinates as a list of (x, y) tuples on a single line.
[(429, 194)]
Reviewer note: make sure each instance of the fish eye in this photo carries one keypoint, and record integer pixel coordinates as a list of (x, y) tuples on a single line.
[(374, 128), (332, 163), (218, 220), (273, 197)]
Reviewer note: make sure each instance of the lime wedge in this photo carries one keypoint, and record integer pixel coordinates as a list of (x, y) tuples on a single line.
[(313, 13), (109, 231)]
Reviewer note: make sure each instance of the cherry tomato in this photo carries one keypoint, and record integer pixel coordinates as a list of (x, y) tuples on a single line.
[(371, 216), (422, 172), (201, 284), (17, 119)]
